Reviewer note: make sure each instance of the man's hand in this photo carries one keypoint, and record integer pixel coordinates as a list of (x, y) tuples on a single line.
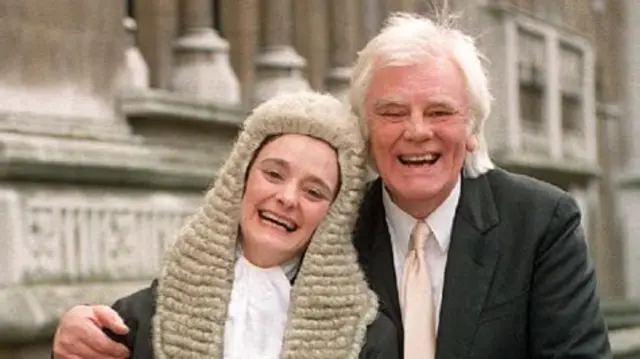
[(80, 336)]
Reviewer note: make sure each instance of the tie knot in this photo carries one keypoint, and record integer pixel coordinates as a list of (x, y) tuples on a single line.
[(419, 236)]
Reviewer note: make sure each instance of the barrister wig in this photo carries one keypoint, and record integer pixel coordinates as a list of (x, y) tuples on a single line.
[(331, 303)]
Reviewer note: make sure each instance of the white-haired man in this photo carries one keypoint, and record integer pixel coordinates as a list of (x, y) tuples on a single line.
[(505, 256), (472, 261)]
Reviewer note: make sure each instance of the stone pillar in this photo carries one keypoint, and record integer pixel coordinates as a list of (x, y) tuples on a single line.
[(391, 6), (240, 28), (157, 25), (372, 17), (49, 81), (279, 66), (202, 67), (388, 7), (344, 45), (10, 224), (630, 181), (607, 248), (311, 39), (633, 84), (135, 75)]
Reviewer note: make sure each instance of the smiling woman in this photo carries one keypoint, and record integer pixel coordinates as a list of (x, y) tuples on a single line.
[(287, 195), (248, 274)]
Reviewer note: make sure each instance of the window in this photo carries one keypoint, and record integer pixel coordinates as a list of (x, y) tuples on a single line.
[(571, 74), (531, 73), (532, 92), (553, 113)]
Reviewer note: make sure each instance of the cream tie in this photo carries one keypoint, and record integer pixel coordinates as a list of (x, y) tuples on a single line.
[(417, 300)]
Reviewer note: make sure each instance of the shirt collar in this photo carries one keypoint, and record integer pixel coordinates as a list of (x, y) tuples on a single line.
[(289, 268), (440, 220)]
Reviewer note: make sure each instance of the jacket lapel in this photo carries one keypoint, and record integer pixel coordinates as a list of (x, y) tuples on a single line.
[(470, 266), (373, 243)]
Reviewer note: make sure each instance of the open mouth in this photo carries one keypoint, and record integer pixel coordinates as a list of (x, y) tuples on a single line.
[(428, 159), (278, 221)]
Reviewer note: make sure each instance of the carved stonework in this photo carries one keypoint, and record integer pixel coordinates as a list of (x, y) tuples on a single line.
[(72, 235), (80, 240)]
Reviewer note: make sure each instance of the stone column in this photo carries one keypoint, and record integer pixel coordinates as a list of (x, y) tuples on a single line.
[(372, 17), (391, 6), (607, 246), (630, 180), (202, 67), (633, 84), (157, 24), (135, 74), (344, 32), (279, 66), (57, 86), (240, 27), (311, 39), (47, 68)]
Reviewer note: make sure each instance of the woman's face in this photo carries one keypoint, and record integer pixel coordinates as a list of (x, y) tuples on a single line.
[(289, 189)]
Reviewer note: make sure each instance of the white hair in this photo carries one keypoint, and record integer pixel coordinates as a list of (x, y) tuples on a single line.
[(408, 39)]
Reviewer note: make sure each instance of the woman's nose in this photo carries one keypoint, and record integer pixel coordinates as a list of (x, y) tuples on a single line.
[(288, 195)]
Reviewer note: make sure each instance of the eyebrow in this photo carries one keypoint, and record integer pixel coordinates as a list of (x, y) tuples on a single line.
[(313, 178), (445, 101), (389, 101)]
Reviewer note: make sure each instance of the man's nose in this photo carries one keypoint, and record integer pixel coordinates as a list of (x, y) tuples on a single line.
[(418, 128)]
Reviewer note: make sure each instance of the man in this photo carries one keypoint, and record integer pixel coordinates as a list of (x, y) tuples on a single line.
[(472, 261)]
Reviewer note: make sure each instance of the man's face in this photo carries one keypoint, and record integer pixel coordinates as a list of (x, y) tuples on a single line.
[(417, 117)]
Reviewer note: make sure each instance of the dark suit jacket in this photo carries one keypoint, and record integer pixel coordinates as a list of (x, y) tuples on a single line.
[(137, 311), (518, 280)]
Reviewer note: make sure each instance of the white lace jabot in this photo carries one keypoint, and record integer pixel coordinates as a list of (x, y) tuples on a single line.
[(257, 313)]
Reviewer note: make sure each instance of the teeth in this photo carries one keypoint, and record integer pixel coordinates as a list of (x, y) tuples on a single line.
[(419, 158), (278, 220)]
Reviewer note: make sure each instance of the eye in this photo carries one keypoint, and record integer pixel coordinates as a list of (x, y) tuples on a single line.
[(315, 193), (440, 113), (272, 174), (393, 111)]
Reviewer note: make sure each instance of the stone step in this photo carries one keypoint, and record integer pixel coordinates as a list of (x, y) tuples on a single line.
[(622, 314), (625, 343)]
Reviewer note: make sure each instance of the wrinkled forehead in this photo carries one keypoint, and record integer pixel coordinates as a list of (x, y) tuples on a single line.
[(414, 62)]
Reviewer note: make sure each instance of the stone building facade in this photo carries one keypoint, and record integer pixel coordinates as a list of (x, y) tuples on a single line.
[(114, 116)]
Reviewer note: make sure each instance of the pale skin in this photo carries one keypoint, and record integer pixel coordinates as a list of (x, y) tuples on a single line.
[(284, 183), (415, 110), (419, 110), (288, 185)]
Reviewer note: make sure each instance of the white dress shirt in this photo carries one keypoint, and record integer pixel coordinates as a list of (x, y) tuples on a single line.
[(257, 313), (440, 222)]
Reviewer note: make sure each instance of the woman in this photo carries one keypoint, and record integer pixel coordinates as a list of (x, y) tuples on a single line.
[(266, 268)]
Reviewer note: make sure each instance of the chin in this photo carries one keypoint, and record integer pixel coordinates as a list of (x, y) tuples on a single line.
[(279, 244), (420, 189)]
